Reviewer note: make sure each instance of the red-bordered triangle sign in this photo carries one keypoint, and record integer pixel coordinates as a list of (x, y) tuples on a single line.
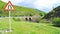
[(9, 6)]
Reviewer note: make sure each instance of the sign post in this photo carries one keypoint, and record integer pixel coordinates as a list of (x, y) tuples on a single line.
[(10, 25), (9, 7)]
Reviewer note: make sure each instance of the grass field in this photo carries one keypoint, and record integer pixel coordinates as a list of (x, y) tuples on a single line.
[(23, 27)]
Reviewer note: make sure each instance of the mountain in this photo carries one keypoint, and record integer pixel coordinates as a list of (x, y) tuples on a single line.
[(54, 13), (20, 11)]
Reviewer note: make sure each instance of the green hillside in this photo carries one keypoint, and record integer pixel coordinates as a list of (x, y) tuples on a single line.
[(20, 11)]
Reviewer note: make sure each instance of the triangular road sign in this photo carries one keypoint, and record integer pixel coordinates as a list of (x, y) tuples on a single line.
[(9, 6)]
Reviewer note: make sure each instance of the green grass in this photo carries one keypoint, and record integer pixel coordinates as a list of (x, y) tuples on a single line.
[(4, 24), (23, 27)]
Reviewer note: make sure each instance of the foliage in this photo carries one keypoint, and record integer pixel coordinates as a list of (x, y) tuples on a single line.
[(16, 19), (56, 21), (45, 21), (36, 18), (53, 13)]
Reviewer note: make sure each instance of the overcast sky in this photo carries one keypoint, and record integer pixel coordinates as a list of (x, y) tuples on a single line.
[(44, 5)]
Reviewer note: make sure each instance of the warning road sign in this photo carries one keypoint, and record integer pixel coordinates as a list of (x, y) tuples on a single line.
[(9, 6)]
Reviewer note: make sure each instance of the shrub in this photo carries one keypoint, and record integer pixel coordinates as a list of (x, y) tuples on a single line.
[(56, 21), (17, 19), (36, 18), (45, 21)]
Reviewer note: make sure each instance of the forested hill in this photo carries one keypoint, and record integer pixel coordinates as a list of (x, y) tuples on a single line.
[(53, 13)]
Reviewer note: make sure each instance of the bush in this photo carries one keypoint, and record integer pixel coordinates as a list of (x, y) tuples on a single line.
[(45, 21), (36, 18), (16, 19), (56, 21)]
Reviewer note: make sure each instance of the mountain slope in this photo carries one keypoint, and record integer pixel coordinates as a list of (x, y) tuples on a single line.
[(54, 13), (20, 11)]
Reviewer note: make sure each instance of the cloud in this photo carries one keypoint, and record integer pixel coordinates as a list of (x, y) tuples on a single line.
[(26, 3), (46, 5), (14, 1)]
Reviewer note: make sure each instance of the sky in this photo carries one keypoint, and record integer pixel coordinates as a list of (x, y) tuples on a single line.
[(44, 5)]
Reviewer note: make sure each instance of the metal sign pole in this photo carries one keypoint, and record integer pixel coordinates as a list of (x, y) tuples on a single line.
[(10, 21)]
